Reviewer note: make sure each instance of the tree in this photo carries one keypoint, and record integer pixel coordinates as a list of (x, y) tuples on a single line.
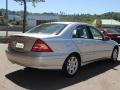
[(97, 23), (6, 16), (24, 2), (0, 13)]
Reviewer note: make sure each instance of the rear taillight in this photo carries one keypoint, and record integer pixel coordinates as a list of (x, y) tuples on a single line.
[(41, 46)]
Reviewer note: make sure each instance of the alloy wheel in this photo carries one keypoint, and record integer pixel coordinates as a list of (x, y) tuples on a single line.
[(115, 54)]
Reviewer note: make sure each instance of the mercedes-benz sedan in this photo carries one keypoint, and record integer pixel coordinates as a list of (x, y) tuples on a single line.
[(61, 45)]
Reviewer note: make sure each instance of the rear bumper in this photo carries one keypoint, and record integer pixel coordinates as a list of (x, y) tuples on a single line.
[(49, 62)]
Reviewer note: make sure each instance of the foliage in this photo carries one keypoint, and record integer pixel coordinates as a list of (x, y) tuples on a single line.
[(3, 21), (15, 22), (0, 13), (98, 23), (33, 1), (88, 18)]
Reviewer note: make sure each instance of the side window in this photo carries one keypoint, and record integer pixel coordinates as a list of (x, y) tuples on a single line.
[(80, 32), (96, 34)]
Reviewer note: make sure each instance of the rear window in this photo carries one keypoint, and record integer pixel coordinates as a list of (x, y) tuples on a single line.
[(48, 29)]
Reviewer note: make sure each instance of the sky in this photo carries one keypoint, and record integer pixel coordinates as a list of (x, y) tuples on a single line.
[(68, 6)]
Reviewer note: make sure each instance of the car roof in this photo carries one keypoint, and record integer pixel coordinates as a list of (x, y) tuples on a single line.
[(72, 23)]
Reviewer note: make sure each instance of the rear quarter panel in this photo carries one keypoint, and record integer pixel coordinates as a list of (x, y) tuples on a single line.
[(61, 47)]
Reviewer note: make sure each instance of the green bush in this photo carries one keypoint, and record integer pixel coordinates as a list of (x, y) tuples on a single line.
[(14, 22), (3, 21)]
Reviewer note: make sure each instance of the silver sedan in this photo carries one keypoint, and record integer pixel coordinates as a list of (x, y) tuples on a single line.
[(61, 45)]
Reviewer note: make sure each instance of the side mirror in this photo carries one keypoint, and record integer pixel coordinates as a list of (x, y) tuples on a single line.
[(106, 38)]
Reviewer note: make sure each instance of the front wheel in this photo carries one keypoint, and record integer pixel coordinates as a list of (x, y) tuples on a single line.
[(115, 54), (71, 66)]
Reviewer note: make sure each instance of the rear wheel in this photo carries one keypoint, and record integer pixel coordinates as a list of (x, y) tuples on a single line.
[(115, 54), (71, 65)]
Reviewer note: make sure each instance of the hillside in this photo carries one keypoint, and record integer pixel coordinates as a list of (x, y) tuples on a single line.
[(73, 17)]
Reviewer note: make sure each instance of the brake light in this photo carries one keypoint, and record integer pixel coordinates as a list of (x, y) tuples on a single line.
[(41, 46)]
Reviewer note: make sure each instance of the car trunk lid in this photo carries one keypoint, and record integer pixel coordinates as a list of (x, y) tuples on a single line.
[(21, 43), (24, 42)]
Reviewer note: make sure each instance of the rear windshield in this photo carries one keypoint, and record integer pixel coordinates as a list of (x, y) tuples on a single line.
[(48, 29)]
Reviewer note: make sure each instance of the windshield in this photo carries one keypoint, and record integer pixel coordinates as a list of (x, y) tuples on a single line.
[(118, 30), (48, 29), (112, 31)]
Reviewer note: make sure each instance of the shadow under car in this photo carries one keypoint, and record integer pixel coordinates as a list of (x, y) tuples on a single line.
[(34, 79)]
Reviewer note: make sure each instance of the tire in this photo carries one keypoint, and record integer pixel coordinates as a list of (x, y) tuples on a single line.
[(71, 65), (115, 53)]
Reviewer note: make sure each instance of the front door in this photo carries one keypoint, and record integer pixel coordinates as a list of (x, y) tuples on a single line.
[(102, 47), (85, 42)]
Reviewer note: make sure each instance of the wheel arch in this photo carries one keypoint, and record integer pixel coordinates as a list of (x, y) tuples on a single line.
[(64, 71), (116, 47), (77, 54)]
